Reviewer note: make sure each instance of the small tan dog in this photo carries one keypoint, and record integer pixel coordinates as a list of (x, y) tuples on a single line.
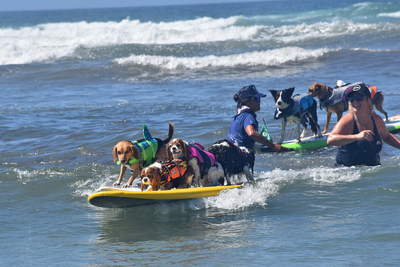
[(139, 154), (166, 175), (331, 100)]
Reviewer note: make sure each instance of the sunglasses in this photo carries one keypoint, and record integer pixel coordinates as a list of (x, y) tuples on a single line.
[(256, 99), (353, 97)]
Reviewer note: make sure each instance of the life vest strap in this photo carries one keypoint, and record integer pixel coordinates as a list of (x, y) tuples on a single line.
[(173, 169)]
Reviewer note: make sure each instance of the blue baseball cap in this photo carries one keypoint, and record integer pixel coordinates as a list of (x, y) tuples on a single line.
[(249, 91)]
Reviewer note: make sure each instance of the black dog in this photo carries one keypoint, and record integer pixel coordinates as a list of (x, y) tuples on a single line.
[(235, 161), (296, 109)]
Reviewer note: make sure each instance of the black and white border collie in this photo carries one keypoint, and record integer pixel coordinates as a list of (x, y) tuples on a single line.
[(298, 109), (233, 160)]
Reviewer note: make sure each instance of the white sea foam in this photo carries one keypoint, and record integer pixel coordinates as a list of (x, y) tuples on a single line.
[(52, 41), (273, 57), (391, 15), (55, 40), (269, 185)]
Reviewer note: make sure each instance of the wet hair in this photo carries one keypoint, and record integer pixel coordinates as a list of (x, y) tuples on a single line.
[(236, 98), (239, 102)]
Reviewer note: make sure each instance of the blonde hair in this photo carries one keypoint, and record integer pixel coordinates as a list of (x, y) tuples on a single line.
[(371, 107)]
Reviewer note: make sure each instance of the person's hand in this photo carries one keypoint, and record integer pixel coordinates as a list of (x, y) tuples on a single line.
[(279, 148), (366, 134)]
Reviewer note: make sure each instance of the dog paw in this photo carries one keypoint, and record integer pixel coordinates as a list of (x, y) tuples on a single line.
[(116, 184)]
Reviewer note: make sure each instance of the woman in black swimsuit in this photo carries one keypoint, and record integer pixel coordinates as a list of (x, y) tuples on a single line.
[(359, 133)]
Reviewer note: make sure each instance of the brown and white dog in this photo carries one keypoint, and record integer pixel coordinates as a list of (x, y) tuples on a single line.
[(206, 170), (331, 100), (124, 151), (166, 175)]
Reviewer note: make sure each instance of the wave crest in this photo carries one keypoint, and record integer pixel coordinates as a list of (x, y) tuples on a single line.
[(53, 41), (273, 57)]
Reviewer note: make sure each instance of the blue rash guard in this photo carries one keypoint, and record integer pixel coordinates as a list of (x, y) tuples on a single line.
[(237, 132), (361, 152)]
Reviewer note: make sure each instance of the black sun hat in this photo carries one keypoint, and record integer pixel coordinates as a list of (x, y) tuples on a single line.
[(360, 88), (249, 91)]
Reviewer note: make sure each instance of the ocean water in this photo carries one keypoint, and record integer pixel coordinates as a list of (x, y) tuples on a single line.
[(75, 82)]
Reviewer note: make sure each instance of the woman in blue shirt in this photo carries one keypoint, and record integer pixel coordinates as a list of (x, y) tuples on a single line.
[(243, 131)]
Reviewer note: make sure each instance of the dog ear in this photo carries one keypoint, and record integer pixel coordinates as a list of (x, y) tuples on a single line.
[(273, 93), (156, 179), (115, 153), (134, 151), (318, 87), (185, 147), (168, 148), (291, 90)]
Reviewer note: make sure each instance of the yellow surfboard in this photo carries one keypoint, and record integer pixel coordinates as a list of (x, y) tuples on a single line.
[(128, 197)]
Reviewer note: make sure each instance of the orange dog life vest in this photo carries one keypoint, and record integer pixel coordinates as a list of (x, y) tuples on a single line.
[(373, 90), (173, 169)]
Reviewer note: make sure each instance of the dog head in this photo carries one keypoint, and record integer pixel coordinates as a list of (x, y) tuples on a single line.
[(318, 90), (151, 177), (178, 149), (282, 98), (123, 151)]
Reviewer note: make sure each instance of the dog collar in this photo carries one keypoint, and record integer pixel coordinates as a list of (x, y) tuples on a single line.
[(323, 102), (327, 95)]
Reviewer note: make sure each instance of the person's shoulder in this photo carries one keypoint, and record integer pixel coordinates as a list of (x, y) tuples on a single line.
[(347, 118), (377, 117), (344, 125), (379, 121), (246, 115)]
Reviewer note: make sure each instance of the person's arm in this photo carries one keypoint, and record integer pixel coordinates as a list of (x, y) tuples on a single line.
[(387, 137), (342, 133), (392, 140), (259, 138)]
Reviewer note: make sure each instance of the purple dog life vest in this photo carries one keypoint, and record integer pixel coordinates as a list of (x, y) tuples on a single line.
[(205, 157)]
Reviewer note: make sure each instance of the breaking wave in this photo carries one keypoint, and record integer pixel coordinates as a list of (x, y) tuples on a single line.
[(158, 43)]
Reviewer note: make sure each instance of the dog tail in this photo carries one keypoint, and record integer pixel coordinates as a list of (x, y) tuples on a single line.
[(170, 133), (314, 119)]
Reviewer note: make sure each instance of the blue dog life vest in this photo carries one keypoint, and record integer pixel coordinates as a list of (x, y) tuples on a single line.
[(299, 105)]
